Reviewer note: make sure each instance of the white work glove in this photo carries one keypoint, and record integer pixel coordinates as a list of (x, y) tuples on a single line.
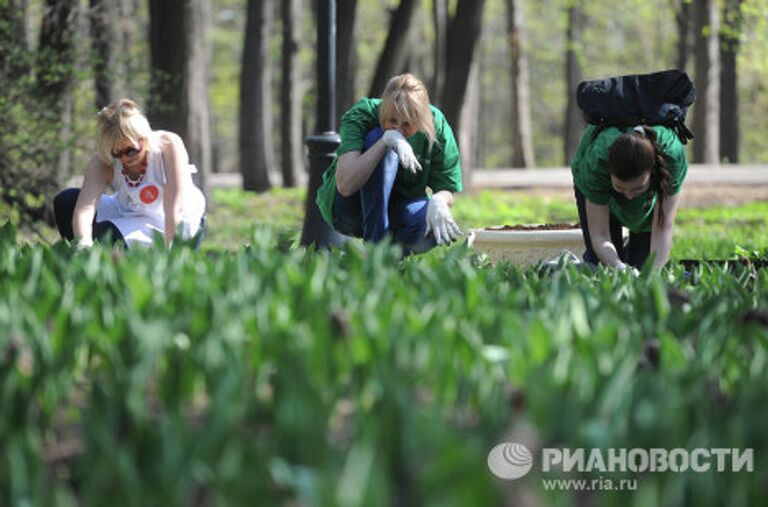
[(440, 221), (395, 140), (626, 267), (83, 243)]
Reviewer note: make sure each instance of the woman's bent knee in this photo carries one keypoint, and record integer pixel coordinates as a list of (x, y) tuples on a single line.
[(63, 210), (66, 198)]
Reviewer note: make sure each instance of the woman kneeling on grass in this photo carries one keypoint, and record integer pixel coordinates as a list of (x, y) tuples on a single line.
[(150, 174), (631, 178), (391, 150)]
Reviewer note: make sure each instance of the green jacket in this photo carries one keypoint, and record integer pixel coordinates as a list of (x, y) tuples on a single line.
[(441, 166), (592, 178)]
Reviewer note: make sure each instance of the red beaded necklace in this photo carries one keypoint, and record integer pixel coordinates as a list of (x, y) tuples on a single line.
[(131, 182)]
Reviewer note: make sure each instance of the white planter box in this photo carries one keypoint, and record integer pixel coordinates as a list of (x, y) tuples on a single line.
[(525, 247)]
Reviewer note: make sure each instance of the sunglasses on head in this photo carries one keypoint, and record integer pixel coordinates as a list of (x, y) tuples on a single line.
[(129, 151)]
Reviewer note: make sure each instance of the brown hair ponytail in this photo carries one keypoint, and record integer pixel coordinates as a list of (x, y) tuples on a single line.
[(661, 178), (633, 153)]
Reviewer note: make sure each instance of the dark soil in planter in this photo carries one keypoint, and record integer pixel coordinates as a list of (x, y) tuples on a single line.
[(542, 227)]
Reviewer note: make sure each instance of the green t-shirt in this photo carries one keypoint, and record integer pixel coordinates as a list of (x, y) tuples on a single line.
[(592, 178), (441, 166)]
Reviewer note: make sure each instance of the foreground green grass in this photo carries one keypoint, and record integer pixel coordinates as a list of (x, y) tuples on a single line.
[(274, 376), (700, 233)]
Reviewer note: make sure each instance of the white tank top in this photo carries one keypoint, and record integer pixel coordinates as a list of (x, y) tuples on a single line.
[(146, 198)]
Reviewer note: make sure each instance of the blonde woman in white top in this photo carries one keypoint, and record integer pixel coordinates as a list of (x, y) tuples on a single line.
[(151, 179)]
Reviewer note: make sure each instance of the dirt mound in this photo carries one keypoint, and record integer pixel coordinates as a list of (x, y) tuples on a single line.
[(540, 227)]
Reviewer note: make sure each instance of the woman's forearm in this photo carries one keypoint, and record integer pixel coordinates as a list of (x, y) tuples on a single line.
[(176, 162), (662, 234), (598, 222), (354, 168), (173, 209), (93, 185), (661, 244), (606, 252), (82, 223)]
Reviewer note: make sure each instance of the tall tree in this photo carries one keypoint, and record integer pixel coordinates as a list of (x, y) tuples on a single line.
[(179, 56), (346, 54), (684, 22), (729, 98), (463, 33), (574, 121), (522, 144), (256, 157), (129, 67), (56, 72), (470, 111), (56, 50), (103, 14), (440, 22), (394, 55), (706, 113), (292, 159)]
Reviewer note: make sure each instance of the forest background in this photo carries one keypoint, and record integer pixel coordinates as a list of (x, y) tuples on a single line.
[(237, 78)]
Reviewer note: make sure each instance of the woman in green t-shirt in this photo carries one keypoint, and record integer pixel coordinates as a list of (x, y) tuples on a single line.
[(633, 179), (391, 150)]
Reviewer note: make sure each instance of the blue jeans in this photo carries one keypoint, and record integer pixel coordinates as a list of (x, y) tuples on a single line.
[(635, 253), (372, 213)]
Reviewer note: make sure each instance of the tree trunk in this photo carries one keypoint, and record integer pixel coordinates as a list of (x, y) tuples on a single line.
[(574, 120), (56, 51), (199, 116), (346, 54), (706, 113), (292, 159), (103, 13), (440, 22), (394, 55), (468, 145), (683, 18), (729, 99), (179, 98), (463, 33), (129, 67), (522, 144), (55, 76), (167, 103), (256, 156)]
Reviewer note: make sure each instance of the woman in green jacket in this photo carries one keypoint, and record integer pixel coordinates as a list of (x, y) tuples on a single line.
[(391, 150), (631, 178)]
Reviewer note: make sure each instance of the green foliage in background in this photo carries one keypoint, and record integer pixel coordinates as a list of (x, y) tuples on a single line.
[(279, 376), (47, 130), (31, 139), (719, 232)]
